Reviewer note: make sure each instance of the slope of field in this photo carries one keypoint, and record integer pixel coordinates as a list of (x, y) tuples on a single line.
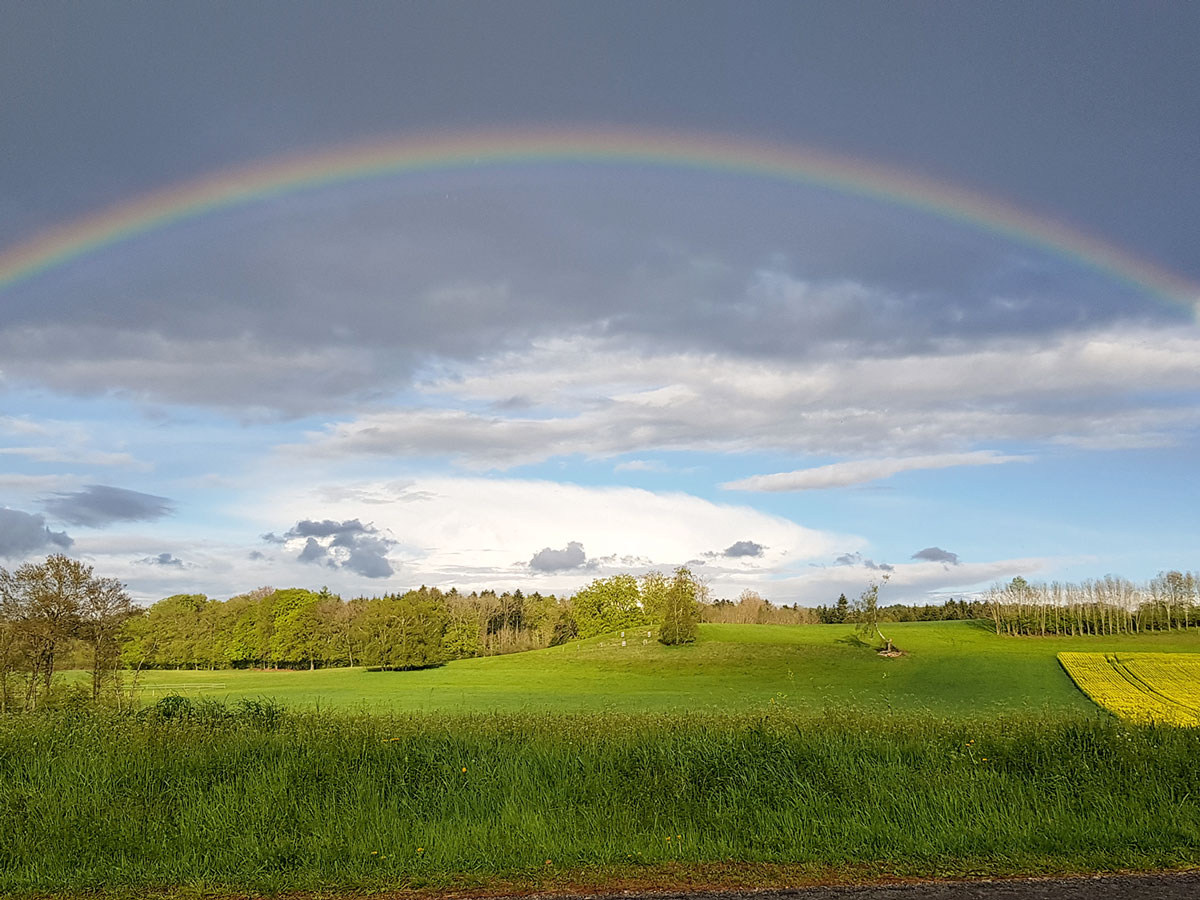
[(953, 668), (1141, 687)]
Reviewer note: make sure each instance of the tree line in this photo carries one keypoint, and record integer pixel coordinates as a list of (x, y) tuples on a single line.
[(57, 615), (1108, 605), (850, 612), (297, 628)]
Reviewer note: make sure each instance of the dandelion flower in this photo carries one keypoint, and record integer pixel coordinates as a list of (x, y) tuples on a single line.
[(464, 768)]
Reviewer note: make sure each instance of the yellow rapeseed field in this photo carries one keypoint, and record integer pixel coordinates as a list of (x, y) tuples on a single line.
[(1140, 687)]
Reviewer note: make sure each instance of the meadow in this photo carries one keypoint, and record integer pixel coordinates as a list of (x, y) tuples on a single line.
[(951, 668), (761, 755)]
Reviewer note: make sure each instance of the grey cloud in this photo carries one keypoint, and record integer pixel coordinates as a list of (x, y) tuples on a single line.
[(937, 554), (347, 545), (164, 559), (743, 548), (1062, 391), (548, 560), (325, 528), (272, 538), (368, 559), (22, 533), (325, 330), (98, 505), (312, 552), (857, 559), (255, 555)]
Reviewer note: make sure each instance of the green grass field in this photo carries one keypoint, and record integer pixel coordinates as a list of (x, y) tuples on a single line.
[(954, 668), (759, 756)]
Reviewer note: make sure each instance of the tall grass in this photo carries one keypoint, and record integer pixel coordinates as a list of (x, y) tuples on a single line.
[(252, 799)]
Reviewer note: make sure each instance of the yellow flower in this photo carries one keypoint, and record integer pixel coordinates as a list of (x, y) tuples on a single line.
[(464, 768), (420, 849)]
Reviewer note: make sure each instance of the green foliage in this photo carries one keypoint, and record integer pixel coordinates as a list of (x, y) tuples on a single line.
[(654, 590), (296, 628), (608, 604), (867, 613), (462, 640), (405, 631), (299, 630), (44, 608), (224, 801), (680, 610), (258, 713)]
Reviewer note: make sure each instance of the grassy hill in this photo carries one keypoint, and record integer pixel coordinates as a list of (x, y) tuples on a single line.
[(667, 772), (953, 668)]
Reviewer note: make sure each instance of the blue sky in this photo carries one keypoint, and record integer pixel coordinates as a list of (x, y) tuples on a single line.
[(534, 375)]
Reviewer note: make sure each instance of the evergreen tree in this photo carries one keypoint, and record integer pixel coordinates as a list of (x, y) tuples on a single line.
[(842, 612)]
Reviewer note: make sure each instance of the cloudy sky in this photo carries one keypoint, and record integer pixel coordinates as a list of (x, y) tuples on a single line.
[(949, 335)]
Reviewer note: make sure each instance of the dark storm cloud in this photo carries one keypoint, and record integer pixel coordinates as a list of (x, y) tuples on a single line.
[(98, 505), (857, 559), (827, 74), (22, 533), (937, 554), (325, 329), (309, 303), (743, 548), (549, 560)]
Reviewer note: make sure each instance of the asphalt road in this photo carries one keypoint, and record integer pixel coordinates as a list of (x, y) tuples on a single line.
[(1184, 886)]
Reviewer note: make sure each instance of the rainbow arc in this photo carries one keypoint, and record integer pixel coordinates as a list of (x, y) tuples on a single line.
[(282, 176)]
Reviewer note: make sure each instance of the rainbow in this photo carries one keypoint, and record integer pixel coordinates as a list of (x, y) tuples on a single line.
[(277, 177)]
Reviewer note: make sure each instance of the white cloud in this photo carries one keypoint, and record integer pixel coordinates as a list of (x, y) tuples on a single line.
[(483, 531), (861, 471), (598, 399)]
